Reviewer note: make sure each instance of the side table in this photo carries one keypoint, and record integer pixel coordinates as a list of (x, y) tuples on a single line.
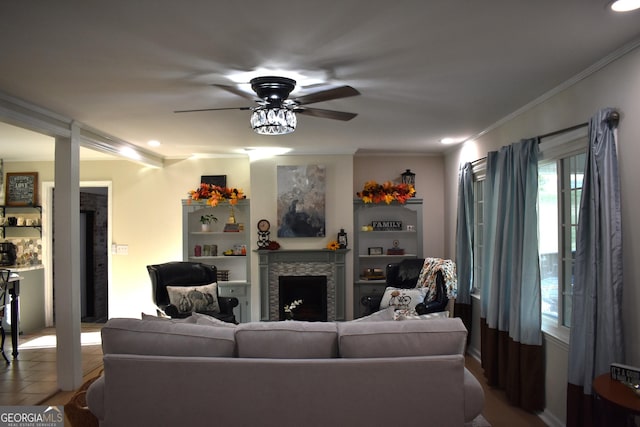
[(615, 403)]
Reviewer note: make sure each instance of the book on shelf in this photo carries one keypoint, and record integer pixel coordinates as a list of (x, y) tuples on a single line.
[(625, 373), (373, 274)]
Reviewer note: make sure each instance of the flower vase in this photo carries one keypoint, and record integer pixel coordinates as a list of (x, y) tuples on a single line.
[(232, 217), (205, 227)]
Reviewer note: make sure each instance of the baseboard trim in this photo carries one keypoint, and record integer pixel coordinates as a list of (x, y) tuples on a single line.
[(474, 352), (547, 417), (550, 420)]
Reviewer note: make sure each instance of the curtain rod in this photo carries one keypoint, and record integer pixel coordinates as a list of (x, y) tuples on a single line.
[(612, 120)]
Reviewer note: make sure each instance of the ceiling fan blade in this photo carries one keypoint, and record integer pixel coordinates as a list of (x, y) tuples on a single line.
[(326, 114), (213, 109), (236, 91), (326, 95)]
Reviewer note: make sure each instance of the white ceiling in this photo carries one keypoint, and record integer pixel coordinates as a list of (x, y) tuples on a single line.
[(425, 69)]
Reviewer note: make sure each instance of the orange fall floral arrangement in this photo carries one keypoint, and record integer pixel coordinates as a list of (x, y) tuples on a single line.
[(387, 192), (214, 194), (333, 245)]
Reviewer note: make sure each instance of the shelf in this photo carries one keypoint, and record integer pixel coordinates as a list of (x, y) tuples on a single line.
[(233, 282), (208, 233), (36, 207), (216, 257), (387, 231), (362, 281), (389, 256)]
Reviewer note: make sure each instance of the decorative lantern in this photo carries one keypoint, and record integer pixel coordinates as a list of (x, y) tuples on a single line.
[(409, 177), (342, 239)]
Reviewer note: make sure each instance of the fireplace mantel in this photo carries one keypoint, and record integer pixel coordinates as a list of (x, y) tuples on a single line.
[(331, 261)]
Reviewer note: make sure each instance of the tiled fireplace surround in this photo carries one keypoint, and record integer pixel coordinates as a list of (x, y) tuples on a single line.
[(305, 262)]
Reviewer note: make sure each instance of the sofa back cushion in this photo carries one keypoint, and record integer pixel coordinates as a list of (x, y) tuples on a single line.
[(402, 338), (287, 340), (166, 338)]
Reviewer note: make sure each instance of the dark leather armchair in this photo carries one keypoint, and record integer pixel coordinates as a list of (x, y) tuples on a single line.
[(179, 273), (405, 275)]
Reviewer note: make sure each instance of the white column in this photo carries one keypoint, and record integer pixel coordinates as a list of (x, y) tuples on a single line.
[(66, 260)]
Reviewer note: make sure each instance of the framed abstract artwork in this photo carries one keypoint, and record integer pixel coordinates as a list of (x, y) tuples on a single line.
[(301, 201)]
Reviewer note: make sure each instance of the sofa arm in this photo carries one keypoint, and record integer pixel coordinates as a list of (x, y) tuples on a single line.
[(473, 396)]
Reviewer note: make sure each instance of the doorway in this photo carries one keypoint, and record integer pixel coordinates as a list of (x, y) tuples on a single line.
[(94, 254), (95, 236)]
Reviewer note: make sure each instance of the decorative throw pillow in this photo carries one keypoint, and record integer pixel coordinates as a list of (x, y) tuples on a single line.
[(400, 298), (190, 299)]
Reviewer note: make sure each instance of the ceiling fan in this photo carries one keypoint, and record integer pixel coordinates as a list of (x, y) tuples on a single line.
[(275, 113)]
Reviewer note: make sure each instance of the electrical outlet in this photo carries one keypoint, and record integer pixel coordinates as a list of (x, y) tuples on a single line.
[(122, 249)]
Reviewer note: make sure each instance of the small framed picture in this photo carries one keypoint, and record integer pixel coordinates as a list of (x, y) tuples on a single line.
[(219, 180), (376, 250), (22, 189)]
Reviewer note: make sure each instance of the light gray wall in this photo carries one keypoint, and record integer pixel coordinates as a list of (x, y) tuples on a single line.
[(616, 85)]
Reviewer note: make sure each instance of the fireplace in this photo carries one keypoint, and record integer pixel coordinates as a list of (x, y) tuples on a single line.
[(328, 264), (310, 290)]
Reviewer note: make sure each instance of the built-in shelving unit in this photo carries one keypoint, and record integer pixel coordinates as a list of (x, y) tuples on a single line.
[(209, 247), (371, 246)]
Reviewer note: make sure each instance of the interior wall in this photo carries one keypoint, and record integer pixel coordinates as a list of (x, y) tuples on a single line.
[(147, 216), (429, 185), (616, 85), (339, 211)]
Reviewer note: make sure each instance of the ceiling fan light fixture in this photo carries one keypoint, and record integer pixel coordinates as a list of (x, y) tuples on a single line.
[(273, 120), (625, 5)]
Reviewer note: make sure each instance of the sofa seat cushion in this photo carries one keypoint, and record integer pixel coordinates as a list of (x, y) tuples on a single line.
[(402, 339), (166, 338), (287, 340)]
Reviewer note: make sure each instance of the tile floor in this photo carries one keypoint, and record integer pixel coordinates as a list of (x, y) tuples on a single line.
[(32, 378)]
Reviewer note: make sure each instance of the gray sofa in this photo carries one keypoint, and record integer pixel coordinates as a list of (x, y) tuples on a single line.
[(360, 373)]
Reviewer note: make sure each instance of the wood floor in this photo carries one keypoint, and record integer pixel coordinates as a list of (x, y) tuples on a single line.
[(497, 410), (31, 379)]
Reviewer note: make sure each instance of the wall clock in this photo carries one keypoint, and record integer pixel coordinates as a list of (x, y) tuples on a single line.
[(263, 234)]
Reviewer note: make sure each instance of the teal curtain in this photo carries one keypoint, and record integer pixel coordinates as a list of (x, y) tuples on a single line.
[(596, 318), (464, 234), (511, 336)]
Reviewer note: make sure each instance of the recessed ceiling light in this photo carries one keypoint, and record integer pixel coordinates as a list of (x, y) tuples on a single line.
[(447, 141), (153, 143), (625, 5), (258, 153)]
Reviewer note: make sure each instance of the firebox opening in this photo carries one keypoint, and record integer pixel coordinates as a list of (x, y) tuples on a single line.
[(312, 290)]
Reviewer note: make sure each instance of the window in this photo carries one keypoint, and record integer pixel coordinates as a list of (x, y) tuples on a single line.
[(559, 190)]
